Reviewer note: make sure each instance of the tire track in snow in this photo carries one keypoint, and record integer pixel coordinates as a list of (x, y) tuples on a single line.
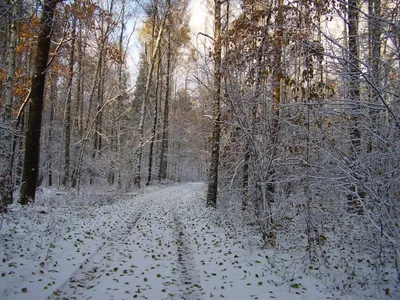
[(85, 276), (126, 265), (189, 279)]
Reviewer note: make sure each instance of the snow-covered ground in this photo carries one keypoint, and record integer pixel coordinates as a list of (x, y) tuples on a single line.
[(161, 243)]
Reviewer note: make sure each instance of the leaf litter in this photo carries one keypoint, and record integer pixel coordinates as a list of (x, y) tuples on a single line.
[(161, 243)]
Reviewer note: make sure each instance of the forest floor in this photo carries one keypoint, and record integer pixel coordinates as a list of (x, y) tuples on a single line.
[(159, 243)]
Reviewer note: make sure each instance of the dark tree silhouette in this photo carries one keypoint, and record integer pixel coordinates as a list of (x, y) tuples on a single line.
[(32, 135)]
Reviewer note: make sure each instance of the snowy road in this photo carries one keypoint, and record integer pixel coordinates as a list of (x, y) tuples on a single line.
[(150, 261), (161, 244)]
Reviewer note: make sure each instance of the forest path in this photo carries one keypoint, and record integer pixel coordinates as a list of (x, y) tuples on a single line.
[(148, 259), (161, 243)]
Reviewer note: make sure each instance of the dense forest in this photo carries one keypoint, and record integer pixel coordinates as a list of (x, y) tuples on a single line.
[(289, 110)]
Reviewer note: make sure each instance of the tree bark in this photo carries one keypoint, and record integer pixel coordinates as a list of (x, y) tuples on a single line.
[(32, 135), (116, 167), (78, 124), (155, 120), (276, 96), (6, 184), (53, 97), (375, 32), (162, 175), (354, 71), (212, 192), (67, 124)]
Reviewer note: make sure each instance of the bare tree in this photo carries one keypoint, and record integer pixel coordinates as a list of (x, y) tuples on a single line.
[(68, 104), (354, 69), (212, 192), (162, 175), (6, 132), (32, 135)]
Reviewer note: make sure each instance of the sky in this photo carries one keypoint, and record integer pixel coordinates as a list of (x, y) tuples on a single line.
[(198, 12), (198, 15)]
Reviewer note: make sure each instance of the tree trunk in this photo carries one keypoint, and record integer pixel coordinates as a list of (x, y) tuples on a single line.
[(375, 31), (6, 133), (276, 99), (116, 168), (277, 74), (97, 139), (79, 84), (212, 192), (67, 123), (19, 143), (32, 141), (354, 72), (49, 165), (245, 183), (162, 175), (155, 120)]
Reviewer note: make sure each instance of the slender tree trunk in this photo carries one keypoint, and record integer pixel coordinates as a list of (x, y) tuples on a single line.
[(32, 141), (49, 165), (79, 84), (277, 76), (79, 108), (98, 140), (245, 184), (98, 123), (212, 192), (155, 120), (162, 175), (67, 123), (19, 142), (354, 72), (276, 98), (10, 70), (375, 31), (159, 127), (116, 168), (119, 165), (6, 134)]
